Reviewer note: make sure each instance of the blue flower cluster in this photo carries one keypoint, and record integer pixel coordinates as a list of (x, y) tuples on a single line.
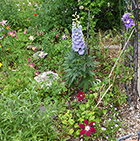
[(78, 43)]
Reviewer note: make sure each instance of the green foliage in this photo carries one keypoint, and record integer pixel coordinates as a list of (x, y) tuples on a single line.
[(104, 14), (22, 119), (79, 69)]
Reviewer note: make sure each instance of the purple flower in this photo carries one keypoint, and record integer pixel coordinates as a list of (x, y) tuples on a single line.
[(64, 36), (78, 43), (81, 52), (127, 20)]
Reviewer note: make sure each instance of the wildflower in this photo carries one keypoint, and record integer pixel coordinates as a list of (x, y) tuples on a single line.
[(4, 35), (37, 33), (115, 108), (31, 37), (31, 65), (11, 34), (1, 37), (116, 125), (87, 129), (56, 35), (25, 31), (103, 128), (118, 119), (37, 73), (3, 22), (18, 4), (53, 29), (18, 9), (35, 4), (81, 95), (34, 48), (0, 65), (35, 13), (127, 20), (23, 3), (8, 27), (8, 48), (108, 4), (110, 119), (78, 43), (41, 33), (29, 4), (29, 59), (81, 7), (64, 37), (0, 46), (81, 52)]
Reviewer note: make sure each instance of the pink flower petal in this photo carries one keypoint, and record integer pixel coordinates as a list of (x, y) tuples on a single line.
[(92, 130), (82, 126), (82, 132), (86, 122), (92, 124), (88, 134)]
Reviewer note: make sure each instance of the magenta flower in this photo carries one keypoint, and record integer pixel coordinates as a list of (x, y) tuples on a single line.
[(11, 34), (16, 36), (37, 73), (4, 35), (53, 29), (31, 65), (41, 33), (8, 27), (87, 129), (128, 22), (3, 22), (29, 59), (81, 95), (37, 33), (56, 35)]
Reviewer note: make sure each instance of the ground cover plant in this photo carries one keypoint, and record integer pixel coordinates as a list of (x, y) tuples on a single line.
[(47, 62)]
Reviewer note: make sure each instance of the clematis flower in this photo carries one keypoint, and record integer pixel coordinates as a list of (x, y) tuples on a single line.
[(3, 22), (87, 129), (128, 22), (64, 37), (81, 95)]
